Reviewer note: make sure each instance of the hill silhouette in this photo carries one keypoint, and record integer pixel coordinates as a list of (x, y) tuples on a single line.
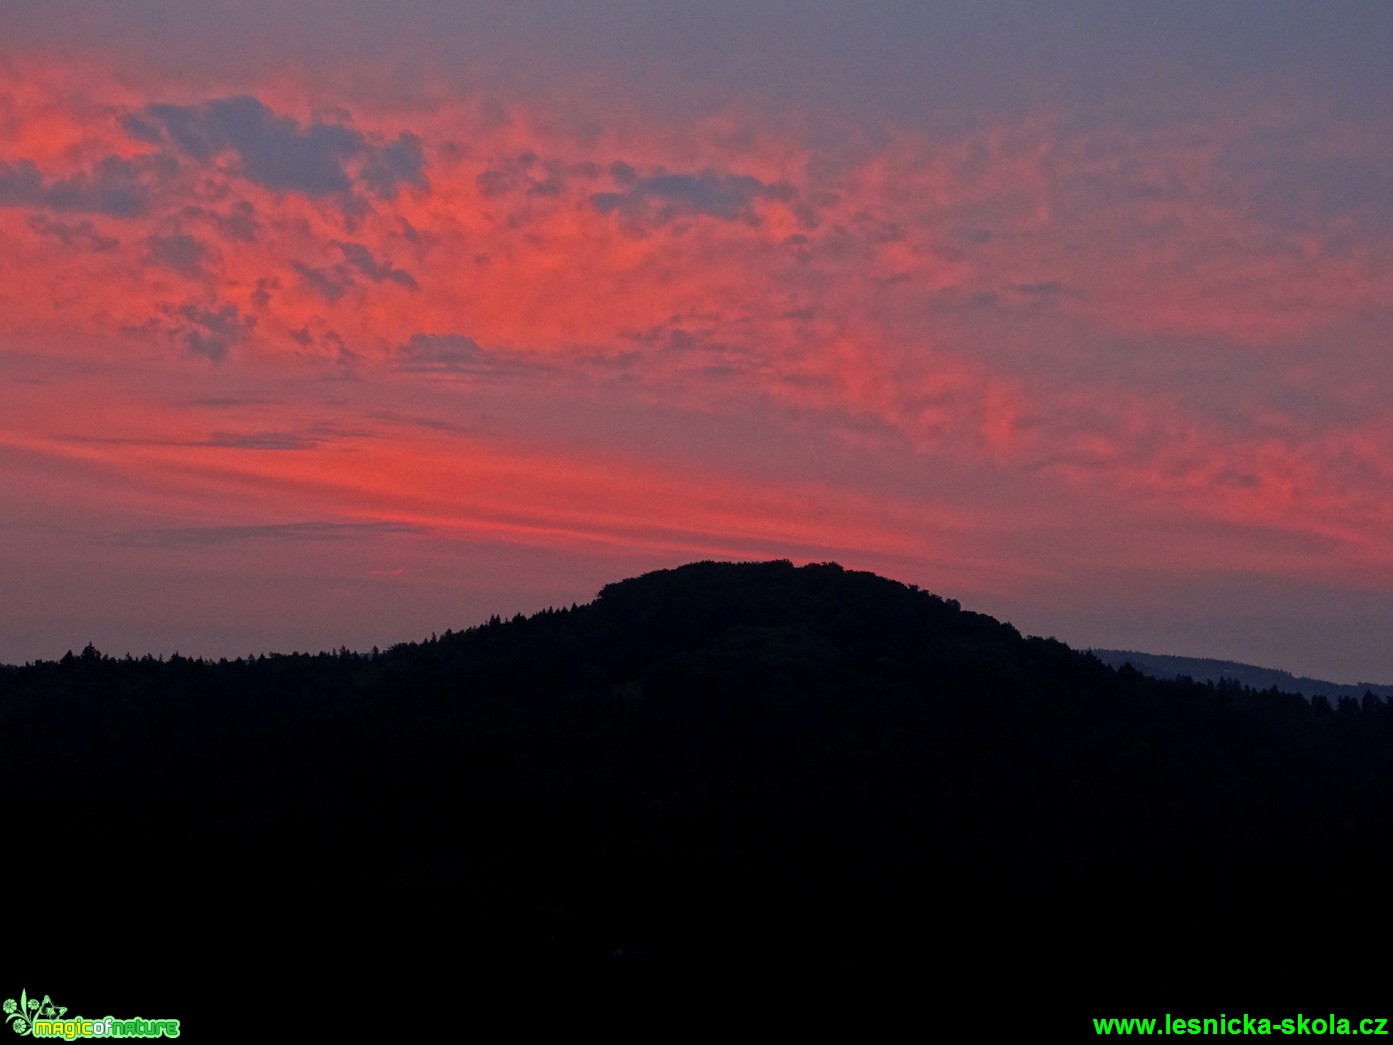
[(1207, 669), (721, 777)]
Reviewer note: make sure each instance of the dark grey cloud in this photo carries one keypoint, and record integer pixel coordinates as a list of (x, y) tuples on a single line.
[(333, 281), (699, 350), (348, 359), (116, 186), (81, 235), (204, 536), (262, 440), (529, 174), (382, 271), (180, 252), (280, 153), (275, 151), (493, 183), (397, 163), (329, 343), (659, 198), (21, 184), (452, 353), (233, 401), (240, 223), (330, 283), (308, 437), (261, 296), (209, 332)]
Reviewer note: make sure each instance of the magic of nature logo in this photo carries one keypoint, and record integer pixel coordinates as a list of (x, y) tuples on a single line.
[(41, 1018)]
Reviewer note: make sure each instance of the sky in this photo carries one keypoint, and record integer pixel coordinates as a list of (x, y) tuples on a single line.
[(343, 323)]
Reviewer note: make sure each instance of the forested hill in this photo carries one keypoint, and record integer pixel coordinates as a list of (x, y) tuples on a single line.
[(709, 777)]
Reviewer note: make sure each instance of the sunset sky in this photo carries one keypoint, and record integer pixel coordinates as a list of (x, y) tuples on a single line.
[(342, 323)]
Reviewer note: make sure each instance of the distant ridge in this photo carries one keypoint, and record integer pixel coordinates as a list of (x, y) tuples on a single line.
[(1204, 669)]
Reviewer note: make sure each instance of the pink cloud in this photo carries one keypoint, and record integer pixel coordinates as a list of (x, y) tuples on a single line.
[(1023, 315)]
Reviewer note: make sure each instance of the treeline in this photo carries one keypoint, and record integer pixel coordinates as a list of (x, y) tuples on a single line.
[(706, 775), (1165, 666)]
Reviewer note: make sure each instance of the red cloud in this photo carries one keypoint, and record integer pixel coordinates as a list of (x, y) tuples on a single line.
[(1044, 310)]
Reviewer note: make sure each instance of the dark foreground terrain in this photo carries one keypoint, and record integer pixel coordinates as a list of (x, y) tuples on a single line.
[(821, 790)]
